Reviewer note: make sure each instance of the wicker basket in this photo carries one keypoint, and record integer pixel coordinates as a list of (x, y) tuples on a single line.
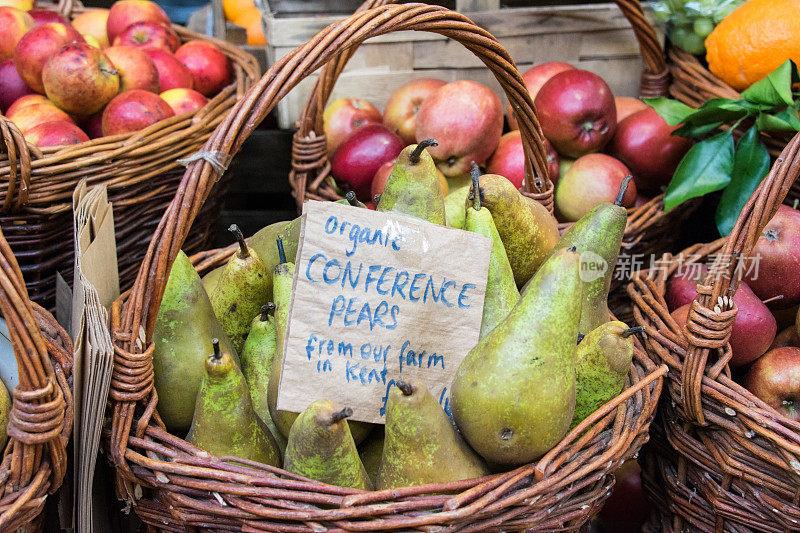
[(722, 459), (140, 169), (174, 485), (40, 421)]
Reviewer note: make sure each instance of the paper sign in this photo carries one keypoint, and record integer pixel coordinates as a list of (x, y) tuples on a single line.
[(378, 297)]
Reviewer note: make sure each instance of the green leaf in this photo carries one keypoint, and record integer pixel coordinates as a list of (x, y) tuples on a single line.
[(721, 110), (672, 111), (689, 131), (783, 121), (775, 88), (705, 168), (750, 165)]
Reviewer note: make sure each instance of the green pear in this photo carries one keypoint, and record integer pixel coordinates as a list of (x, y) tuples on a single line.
[(371, 451), (257, 357), (184, 327), (513, 395), (224, 421), (602, 362), (501, 290), (527, 229), (413, 187), (421, 445), (5, 411), (321, 447), (243, 287), (454, 207), (597, 237)]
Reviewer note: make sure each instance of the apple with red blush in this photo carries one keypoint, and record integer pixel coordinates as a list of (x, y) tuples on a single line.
[(12, 86), (172, 74), (211, 69), (36, 47), (775, 379), (14, 23), (591, 180), (184, 100), (80, 79), (534, 78), (133, 111), (124, 13), (136, 69), (57, 133), (149, 34), (400, 113), (345, 115), (359, 157)]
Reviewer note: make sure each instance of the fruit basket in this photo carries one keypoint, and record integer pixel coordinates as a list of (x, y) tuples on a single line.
[(40, 421), (141, 170), (173, 484), (720, 458)]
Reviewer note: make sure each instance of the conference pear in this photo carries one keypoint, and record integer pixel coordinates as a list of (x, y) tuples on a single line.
[(321, 447), (257, 357), (413, 187), (421, 445), (5, 411), (501, 291), (527, 229), (184, 327), (243, 287), (602, 362), (371, 451), (224, 421), (454, 207), (513, 396)]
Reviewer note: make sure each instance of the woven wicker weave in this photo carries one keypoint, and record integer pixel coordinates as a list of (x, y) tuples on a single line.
[(40, 421), (722, 460), (140, 170), (172, 484)]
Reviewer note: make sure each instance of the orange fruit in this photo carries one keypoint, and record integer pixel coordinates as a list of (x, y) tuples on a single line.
[(754, 40), (234, 8), (250, 20)]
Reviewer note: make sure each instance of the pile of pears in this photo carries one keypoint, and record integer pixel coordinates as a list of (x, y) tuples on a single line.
[(548, 355)]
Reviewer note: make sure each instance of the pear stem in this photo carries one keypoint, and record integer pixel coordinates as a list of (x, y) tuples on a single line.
[(243, 250), (773, 299), (623, 188), (351, 198), (632, 331), (413, 157), (281, 253), (405, 387), (215, 346), (341, 415), (265, 309), (475, 173)]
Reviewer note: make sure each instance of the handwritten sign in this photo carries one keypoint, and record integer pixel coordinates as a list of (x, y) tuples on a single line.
[(378, 297)]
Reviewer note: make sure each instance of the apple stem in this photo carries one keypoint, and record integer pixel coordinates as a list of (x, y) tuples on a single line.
[(623, 188), (281, 253), (475, 172), (417, 151), (796, 201), (632, 331), (243, 250), (405, 387), (265, 309), (351, 198), (773, 299), (347, 412), (376, 198), (581, 336), (215, 346)]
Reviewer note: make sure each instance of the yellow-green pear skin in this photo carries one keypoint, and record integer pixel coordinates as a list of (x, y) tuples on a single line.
[(454, 207), (321, 447), (602, 362), (243, 287), (513, 396), (501, 290), (421, 445), (182, 336), (224, 422), (527, 229), (413, 187), (5, 410), (257, 358), (211, 278), (371, 451)]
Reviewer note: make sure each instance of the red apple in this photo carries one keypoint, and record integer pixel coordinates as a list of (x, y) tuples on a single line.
[(34, 114), (343, 116), (777, 260), (36, 47), (466, 118), (184, 100), (136, 69), (400, 113), (643, 141), (149, 34), (787, 337), (210, 68), (80, 79), (126, 12), (577, 112), (682, 286), (534, 78), (93, 23), (134, 111), (12, 87), (171, 72), (23, 5), (58, 133), (775, 379), (360, 156), (14, 23), (43, 16), (27, 100), (627, 106), (590, 181), (626, 509), (382, 176)]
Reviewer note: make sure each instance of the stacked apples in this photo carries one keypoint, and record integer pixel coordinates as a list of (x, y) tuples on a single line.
[(108, 72)]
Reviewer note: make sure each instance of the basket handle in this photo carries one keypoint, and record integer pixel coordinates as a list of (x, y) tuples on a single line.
[(19, 154), (309, 155), (711, 316), (655, 76)]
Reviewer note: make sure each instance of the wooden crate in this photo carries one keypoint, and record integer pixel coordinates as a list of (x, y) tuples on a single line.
[(594, 37)]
